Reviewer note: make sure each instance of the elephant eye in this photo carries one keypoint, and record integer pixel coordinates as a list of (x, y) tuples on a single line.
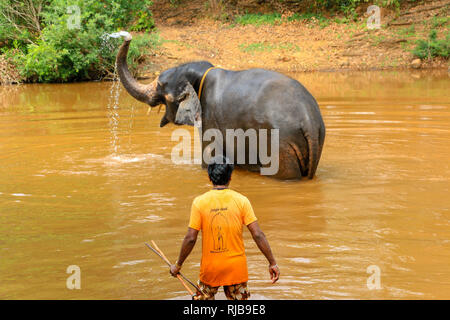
[(183, 97)]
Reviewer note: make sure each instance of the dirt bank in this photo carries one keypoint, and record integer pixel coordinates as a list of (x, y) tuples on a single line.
[(190, 31)]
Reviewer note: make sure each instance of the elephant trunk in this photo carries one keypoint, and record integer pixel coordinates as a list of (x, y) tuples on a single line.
[(143, 93)]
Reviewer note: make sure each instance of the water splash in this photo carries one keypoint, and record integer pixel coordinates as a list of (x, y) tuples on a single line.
[(106, 43), (113, 112), (119, 34), (114, 94)]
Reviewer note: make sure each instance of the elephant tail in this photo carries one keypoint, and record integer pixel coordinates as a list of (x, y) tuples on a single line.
[(315, 138)]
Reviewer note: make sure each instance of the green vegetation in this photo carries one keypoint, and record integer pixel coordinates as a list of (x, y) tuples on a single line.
[(433, 47), (437, 22), (408, 31), (64, 40), (348, 6), (314, 9), (266, 46), (310, 17), (258, 19)]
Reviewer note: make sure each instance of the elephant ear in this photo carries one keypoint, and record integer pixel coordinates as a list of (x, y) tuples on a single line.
[(189, 110)]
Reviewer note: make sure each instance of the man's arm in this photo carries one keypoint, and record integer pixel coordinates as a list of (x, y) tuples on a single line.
[(186, 248), (264, 246)]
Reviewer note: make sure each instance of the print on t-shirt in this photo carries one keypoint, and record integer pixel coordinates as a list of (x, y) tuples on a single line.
[(219, 228)]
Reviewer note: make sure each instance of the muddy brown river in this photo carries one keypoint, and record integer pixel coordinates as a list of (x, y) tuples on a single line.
[(86, 179)]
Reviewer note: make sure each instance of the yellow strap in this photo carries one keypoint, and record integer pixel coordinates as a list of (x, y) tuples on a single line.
[(203, 80)]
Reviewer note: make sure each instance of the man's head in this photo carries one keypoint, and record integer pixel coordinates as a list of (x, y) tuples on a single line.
[(219, 171)]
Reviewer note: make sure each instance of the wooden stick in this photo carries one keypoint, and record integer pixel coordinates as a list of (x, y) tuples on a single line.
[(162, 254), (168, 262), (179, 275)]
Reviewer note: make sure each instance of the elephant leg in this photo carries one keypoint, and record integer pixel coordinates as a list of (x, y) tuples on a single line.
[(290, 162)]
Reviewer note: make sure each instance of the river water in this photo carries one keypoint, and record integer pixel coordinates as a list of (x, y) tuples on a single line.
[(87, 178)]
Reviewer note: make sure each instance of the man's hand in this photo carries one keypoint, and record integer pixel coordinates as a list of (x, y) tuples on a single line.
[(174, 270), (186, 248), (264, 246), (274, 273)]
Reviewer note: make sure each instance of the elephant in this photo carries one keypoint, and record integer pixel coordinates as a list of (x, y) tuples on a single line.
[(220, 99)]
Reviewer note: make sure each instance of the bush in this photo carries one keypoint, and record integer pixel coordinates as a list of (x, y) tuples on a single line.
[(63, 52), (432, 47)]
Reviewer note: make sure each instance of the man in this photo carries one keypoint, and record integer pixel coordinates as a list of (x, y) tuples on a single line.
[(220, 214)]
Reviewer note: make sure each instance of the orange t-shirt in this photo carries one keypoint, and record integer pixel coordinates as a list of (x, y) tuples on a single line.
[(220, 215)]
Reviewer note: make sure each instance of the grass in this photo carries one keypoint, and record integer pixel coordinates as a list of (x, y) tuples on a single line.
[(408, 31), (258, 19), (437, 22), (377, 39), (267, 47), (343, 20), (306, 17)]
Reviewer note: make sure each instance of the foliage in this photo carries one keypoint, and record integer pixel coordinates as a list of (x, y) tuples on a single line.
[(258, 19), (65, 50), (20, 20), (144, 22), (432, 47)]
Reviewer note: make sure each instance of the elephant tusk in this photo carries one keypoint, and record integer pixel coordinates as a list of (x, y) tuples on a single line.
[(149, 110), (159, 109)]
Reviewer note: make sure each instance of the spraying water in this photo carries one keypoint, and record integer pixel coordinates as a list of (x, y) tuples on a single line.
[(114, 94), (119, 34), (113, 112)]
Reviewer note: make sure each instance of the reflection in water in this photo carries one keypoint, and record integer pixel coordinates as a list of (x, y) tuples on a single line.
[(71, 194)]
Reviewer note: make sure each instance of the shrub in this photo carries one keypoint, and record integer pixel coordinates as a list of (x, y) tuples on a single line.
[(62, 52), (432, 47), (20, 21)]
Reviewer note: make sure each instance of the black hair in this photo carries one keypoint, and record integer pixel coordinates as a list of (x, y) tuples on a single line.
[(220, 170)]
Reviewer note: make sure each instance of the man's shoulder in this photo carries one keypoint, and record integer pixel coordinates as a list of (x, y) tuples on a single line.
[(240, 199), (201, 198), (238, 195)]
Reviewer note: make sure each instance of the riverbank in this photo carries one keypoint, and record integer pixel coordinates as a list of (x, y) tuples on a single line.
[(288, 36), (306, 43)]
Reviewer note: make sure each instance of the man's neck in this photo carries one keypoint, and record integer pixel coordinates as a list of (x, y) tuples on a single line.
[(219, 187)]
